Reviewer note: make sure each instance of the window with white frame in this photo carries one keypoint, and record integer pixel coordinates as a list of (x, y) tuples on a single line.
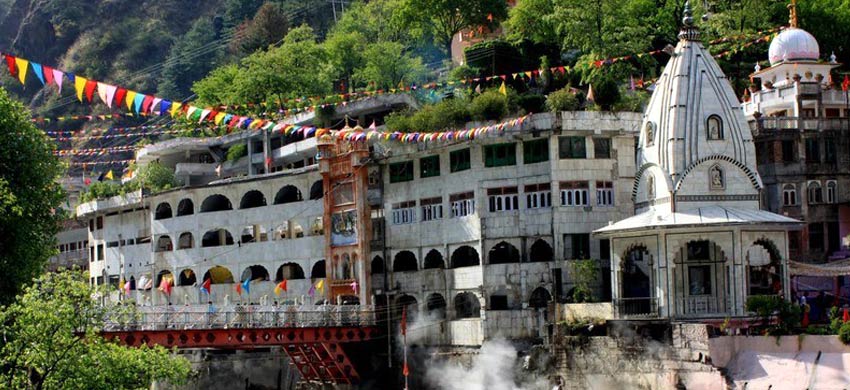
[(831, 191), (815, 192), (432, 208), (463, 204), (604, 193), (404, 212), (574, 193), (538, 196), (503, 199), (789, 195)]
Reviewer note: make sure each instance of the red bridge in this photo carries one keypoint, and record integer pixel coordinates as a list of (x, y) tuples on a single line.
[(313, 337)]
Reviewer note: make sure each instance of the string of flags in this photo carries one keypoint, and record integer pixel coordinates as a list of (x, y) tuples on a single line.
[(86, 164), (87, 118), (94, 151)]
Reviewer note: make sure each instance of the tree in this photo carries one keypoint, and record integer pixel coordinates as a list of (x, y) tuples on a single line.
[(387, 65), (267, 27), (51, 341), (381, 20), (445, 18), (29, 194), (533, 20), (345, 50), (185, 65)]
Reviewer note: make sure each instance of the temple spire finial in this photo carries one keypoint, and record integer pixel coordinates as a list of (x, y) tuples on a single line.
[(689, 31), (792, 14)]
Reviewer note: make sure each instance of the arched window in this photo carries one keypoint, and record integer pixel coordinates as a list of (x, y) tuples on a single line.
[(163, 244), (186, 241), (255, 273), (318, 270), (714, 128), (404, 261), (815, 192), (504, 253), (540, 298), (163, 211), (163, 275), (216, 202), (185, 207), (377, 265), (289, 271), (467, 306), (287, 194), (465, 256), (789, 195), (831, 191), (252, 199), (219, 275), (541, 251), (317, 190), (434, 259), (436, 306), (217, 237), (187, 278)]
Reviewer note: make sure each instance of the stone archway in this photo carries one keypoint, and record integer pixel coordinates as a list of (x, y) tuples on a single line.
[(764, 268), (700, 277)]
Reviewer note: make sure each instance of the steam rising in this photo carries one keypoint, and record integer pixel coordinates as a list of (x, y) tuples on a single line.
[(495, 367)]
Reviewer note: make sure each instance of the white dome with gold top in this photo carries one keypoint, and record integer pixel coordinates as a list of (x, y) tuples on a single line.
[(793, 44)]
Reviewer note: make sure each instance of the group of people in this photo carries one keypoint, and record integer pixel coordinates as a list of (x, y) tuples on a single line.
[(816, 306)]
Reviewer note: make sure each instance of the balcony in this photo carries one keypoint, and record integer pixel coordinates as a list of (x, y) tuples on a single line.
[(631, 308), (194, 169), (768, 125)]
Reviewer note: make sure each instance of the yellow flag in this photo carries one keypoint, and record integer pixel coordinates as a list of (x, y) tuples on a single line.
[(121, 284), (109, 175), (321, 285), (130, 99), (22, 65), (175, 108), (80, 86), (503, 90), (219, 117)]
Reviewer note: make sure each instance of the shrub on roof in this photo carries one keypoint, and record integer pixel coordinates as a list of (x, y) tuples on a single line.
[(490, 105), (562, 100)]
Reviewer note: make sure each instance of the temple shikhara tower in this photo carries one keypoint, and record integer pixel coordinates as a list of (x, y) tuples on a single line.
[(700, 243)]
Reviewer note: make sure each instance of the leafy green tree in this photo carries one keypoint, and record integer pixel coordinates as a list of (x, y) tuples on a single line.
[(445, 18), (155, 177), (380, 21), (533, 20), (388, 64), (217, 86), (238, 11), (29, 194), (345, 51), (184, 66), (51, 341)]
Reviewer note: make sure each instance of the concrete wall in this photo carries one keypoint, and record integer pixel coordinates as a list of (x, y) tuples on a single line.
[(723, 349)]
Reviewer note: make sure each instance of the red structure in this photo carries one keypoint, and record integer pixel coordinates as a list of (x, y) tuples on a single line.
[(317, 353)]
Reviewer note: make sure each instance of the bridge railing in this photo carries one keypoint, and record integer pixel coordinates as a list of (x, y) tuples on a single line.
[(128, 317)]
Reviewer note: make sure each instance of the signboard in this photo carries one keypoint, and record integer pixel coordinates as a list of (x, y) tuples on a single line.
[(344, 228)]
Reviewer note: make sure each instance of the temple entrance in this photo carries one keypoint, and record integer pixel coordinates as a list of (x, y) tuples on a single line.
[(636, 297), (700, 279)]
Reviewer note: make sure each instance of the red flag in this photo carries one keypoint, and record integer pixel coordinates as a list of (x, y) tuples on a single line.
[(48, 75), (10, 62), (846, 317), (119, 96), (404, 321), (239, 288), (90, 86), (845, 85), (146, 104), (207, 285), (405, 371)]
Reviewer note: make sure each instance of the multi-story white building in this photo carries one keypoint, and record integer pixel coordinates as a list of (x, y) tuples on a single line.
[(475, 237)]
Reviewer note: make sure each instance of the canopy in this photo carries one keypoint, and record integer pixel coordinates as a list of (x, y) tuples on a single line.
[(836, 268)]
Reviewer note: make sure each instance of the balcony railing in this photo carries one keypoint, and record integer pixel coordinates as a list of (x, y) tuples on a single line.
[(122, 318), (637, 307), (699, 305), (769, 124)]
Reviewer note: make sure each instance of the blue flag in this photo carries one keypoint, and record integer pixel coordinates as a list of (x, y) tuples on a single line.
[(246, 285)]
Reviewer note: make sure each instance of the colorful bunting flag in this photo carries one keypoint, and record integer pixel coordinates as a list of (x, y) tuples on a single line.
[(22, 65), (80, 86), (280, 287), (37, 69)]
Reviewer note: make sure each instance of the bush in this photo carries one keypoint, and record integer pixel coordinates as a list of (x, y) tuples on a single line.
[(766, 306), (236, 152), (562, 100), (844, 333), (464, 72), (101, 190), (155, 177), (490, 105), (606, 93), (532, 102), (399, 121), (632, 101), (446, 114)]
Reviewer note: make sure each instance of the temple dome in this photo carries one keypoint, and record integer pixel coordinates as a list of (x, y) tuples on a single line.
[(793, 44)]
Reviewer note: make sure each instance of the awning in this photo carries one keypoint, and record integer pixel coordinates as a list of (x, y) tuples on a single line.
[(836, 268)]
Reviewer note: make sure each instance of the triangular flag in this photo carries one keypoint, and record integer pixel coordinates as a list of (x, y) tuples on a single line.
[(147, 103), (130, 98), (155, 102), (47, 72), (404, 321), (120, 94), (175, 108), (164, 107), (239, 288), (36, 68), (22, 65), (90, 87), (80, 87), (58, 78), (10, 62), (137, 102), (321, 285), (206, 285), (101, 93), (503, 89), (109, 175), (246, 285), (280, 287), (590, 96), (110, 94)]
